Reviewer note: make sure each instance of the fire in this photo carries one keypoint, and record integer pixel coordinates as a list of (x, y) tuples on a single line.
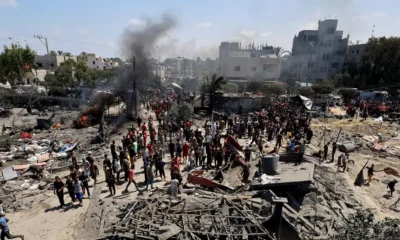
[(83, 122)]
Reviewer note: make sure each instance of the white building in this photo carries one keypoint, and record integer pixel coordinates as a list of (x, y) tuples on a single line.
[(95, 61), (241, 65), (50, 62), (318, 54)]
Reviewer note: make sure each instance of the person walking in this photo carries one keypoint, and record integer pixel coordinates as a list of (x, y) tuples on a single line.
[(59, 190), (78, 189), (70, 187), (85, 184), (171, 147), (5, 231), (131, 180)]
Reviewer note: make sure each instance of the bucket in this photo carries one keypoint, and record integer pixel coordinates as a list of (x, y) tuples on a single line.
[(269, 164)]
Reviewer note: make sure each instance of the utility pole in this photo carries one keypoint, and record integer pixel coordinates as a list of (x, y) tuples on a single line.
[(40, 37), (134, 84)]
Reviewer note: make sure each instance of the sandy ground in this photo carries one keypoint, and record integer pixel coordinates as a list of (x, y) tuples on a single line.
[(48, 222)]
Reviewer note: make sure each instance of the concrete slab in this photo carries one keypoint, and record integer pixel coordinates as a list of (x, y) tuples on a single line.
[(9, 173), (290, 175)]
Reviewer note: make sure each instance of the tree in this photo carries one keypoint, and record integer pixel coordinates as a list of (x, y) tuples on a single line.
[(60, 53), (362, 226), (276, 89), (52, 53), (212, 85), (305, 91), (281, 52), (15, 61), (324, 87), (380, 62), (230, 88), (254, 86)]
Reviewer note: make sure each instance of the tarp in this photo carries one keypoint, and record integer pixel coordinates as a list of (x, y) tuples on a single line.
[(306, 101)]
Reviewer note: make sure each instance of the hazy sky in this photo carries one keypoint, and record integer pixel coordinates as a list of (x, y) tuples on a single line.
[(95, 26)]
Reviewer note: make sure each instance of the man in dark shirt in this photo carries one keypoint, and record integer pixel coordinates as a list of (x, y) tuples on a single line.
[(247, 154), (59, 190), (278, 141), (74, 160), (113, 149), (391, 185), (70, 188), (171, 148)]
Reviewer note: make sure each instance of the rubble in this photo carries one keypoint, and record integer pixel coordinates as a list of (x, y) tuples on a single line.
[(202, 215)]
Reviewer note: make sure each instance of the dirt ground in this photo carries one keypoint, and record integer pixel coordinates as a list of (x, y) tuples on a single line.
[(46, 221), (373, 196)]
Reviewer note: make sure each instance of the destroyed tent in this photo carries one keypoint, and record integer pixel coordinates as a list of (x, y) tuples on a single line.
[(307, 103)]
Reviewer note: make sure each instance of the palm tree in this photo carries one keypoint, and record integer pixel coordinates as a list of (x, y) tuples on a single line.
[(211, 86), (68, 54), (60, 52), (280, 52)]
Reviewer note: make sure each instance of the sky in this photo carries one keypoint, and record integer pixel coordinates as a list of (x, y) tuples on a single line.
[(96, 26)]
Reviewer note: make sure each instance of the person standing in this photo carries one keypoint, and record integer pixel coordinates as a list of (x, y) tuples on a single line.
[(5, 231), (74, 160), (127, 166), (302, 150), (334, 147), (78, 190), (171, 147), (150, 176), (113, 149), (70, 187), (59, 190), (111, 181)]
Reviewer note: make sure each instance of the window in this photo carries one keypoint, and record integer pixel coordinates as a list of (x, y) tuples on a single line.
[(329, 44), (323, 57), (39, 65), (332, 30), (352, 52), (253, 69), (327, 56), (296, 65), (322, 69), (265, 67), (335, 65), (299, 65), (357, 51), (310, 65), (236, 68), (94, 63), (325, 69), (51, 64), (97, 66)]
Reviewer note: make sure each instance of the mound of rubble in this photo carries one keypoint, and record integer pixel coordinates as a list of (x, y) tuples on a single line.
[(203, 215)]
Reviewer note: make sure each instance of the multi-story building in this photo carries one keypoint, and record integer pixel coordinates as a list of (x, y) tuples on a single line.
[(318, 54), (95, 61), (206, 67), (355, 52), (241, 65), (50, 62), (184, 66)]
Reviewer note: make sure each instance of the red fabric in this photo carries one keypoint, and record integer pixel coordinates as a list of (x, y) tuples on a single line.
[(25, 135)]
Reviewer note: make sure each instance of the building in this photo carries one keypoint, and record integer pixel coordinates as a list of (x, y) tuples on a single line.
[(207, 67), (50, 62), (355, 52), (35, 76), (95, 61), (184, 66), (318, 54), (241, 65)]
